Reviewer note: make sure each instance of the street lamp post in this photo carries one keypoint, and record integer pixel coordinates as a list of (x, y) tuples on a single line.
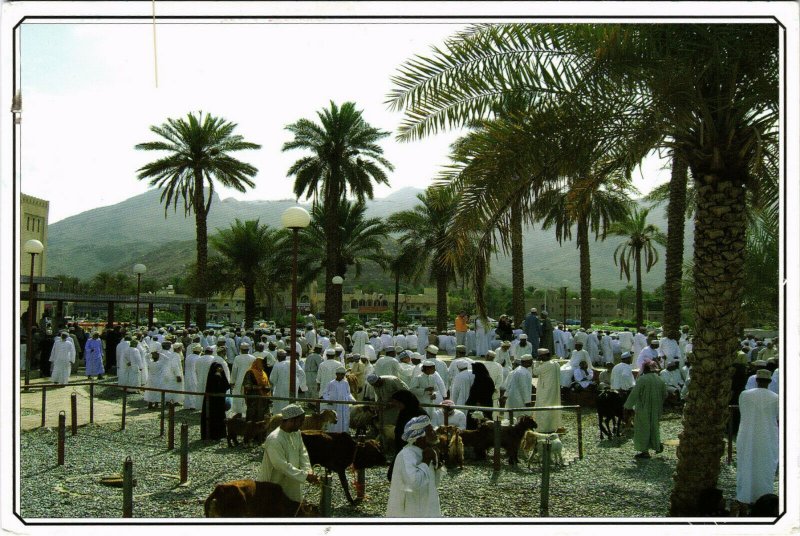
[(294, 218), (34, 247), (564, 285), (138, 269)]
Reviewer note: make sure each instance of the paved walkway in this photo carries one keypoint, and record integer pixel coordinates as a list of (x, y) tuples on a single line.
[(58, 399)]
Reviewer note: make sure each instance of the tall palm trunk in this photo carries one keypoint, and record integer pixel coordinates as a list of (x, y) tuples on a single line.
[(396, 299), (719, 246), (441, 300), (585, 273), (639, 305), (333, 296), (249, 304), (201, 229), (674, 251), (517, 274)]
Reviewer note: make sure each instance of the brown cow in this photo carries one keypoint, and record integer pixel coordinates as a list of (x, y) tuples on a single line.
[(248, 498)]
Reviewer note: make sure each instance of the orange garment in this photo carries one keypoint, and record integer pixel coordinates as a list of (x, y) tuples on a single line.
[(461, 323)]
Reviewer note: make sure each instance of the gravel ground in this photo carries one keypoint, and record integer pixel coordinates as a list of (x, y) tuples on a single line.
[(608, 482)]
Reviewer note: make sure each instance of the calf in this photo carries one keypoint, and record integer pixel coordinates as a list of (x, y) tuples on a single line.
[(533, 446), (248, 498), (610, 411), (318, 421), (338, 451)]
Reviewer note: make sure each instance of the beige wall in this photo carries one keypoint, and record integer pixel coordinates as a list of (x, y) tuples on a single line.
[(34, 214)]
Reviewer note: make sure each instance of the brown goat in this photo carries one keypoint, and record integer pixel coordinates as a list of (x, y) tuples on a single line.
[(482, 439), (251, 431)]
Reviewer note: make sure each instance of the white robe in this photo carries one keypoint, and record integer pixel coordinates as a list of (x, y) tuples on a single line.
[(756, 444), (241, 364), (548, 393), (338, 390), (457, 419), (470, 341), (133, 364), (190, 382), (625, 341), (607, 349), (279, 378), (326, 373), (422, 382), (285, 463), (481, 338), (412, 342), (153, 379), (62, 356), (593, 346), (386, 366), (360, 339), (518, 387), (413, 490), (639, 343), (462, 383), (422, 339), (120, 353), (171, 370), (622, 377)]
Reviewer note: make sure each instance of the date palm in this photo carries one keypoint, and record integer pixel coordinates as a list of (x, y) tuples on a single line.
[(253, 258), (639, 245), (711, 91), (345, 159), (199, 151), (361, 239), (423, 237)]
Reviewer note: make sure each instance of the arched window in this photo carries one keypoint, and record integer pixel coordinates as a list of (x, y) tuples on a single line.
[(353, 303), (361, 303), (369, 303), (384, 303)]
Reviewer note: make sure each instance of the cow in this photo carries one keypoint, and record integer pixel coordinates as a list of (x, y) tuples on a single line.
[(249, 498), (338, 451)]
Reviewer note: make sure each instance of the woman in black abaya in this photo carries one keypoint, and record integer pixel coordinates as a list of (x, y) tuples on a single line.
[(212, 416)]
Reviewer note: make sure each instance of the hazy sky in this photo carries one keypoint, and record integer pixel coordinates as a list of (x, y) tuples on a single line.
[(89, 96)]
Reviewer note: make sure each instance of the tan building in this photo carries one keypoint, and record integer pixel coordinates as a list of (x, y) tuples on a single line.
[(34, 213)]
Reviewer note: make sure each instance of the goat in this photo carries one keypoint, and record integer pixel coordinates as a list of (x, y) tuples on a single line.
[(249, 430), (338, 451), (248, 498), (450, 446), (610, 412), (315, 421), (510, 437), (533, 445), (364, 419)]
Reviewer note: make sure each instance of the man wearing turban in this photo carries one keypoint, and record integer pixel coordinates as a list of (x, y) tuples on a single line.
[(416, 473)]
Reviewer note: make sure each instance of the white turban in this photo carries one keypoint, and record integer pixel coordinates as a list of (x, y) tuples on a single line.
[(415, 428)]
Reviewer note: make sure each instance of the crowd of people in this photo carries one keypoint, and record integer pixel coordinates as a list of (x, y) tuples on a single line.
[(404, 370)]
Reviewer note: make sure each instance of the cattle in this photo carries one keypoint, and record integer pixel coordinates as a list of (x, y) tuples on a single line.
[(251, 431), (248, 498), (610, 411), (338, 451), (482, 439)]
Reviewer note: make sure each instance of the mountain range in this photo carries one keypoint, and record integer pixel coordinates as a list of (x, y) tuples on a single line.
[(115, 237)]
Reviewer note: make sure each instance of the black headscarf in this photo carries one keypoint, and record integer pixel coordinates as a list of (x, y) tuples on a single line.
[(480, 394), (411, 409)]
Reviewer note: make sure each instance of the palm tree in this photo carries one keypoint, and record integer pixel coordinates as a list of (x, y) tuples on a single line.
[(252, 254), (592, 203), (708, 91), (641, 238), (424, 238), (402, 266), (345, 158), (199, 148), (361, 239)]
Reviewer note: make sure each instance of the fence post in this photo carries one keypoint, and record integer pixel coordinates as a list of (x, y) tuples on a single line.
[(124, 405), (91, 403), (496, 445), (44, 404), (171, 434), (580, 434), (62, 432), (127, 488), (73, 406), (325, 500), (184, 453), (544, 509), (163, 396)]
